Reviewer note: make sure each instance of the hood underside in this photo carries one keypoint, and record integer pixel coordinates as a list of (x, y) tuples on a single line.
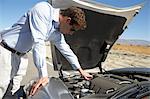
[(93, 44)]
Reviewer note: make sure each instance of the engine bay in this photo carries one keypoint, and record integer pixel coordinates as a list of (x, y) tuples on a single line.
[(108, 85), (103, 86)]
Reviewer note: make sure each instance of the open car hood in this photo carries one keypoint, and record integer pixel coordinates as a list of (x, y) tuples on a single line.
[(104, 26)]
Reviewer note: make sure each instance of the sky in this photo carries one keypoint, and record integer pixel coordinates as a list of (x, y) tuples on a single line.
[(139, 28)]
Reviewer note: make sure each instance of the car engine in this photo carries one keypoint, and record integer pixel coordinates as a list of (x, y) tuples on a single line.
[(109, 85)]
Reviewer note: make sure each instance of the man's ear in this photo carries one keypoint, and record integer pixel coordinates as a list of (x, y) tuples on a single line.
[(68, 20)]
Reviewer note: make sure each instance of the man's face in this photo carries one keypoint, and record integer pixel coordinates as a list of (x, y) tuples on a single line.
[(65, 26)]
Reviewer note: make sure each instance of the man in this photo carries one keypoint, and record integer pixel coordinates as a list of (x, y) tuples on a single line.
[(40, 24)]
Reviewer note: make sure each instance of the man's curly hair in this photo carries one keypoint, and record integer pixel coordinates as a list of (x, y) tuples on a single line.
[(77, 16)]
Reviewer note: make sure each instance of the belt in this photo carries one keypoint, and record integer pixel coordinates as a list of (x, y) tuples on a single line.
[(4, 44)]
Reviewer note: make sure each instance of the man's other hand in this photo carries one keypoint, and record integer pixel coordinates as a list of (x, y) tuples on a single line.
[(86, 75), (38, 85)]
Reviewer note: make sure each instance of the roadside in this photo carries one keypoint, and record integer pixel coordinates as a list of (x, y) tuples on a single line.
[(127, 56)]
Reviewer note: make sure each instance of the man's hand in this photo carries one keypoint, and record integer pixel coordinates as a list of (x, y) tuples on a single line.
[(38, 85), (86, 75)]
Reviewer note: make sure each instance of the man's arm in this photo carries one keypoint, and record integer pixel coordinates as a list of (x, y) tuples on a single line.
[(64, 48), (39, 57), (38, 22)]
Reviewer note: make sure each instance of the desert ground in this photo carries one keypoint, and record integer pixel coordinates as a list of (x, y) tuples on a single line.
[(127, 56)]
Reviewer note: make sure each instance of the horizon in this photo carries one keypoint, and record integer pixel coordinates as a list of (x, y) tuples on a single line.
[(139, 28), (133, 39), (133, 42)]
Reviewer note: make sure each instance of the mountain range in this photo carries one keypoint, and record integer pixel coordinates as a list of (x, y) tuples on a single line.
[(133, 42)]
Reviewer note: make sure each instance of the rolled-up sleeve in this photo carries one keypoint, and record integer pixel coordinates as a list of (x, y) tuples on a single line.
[(64, 48), (38, 21)]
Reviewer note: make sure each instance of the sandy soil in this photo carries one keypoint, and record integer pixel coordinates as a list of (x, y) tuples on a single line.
[(134, 49), (127, 56)]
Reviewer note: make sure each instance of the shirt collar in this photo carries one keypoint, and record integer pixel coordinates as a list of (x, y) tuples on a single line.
[(55, 17)]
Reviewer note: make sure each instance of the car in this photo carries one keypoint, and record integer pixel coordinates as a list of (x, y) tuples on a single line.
[(105, 24)]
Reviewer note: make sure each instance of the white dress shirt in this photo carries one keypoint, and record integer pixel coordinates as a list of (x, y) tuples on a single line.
[(38, 25)]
